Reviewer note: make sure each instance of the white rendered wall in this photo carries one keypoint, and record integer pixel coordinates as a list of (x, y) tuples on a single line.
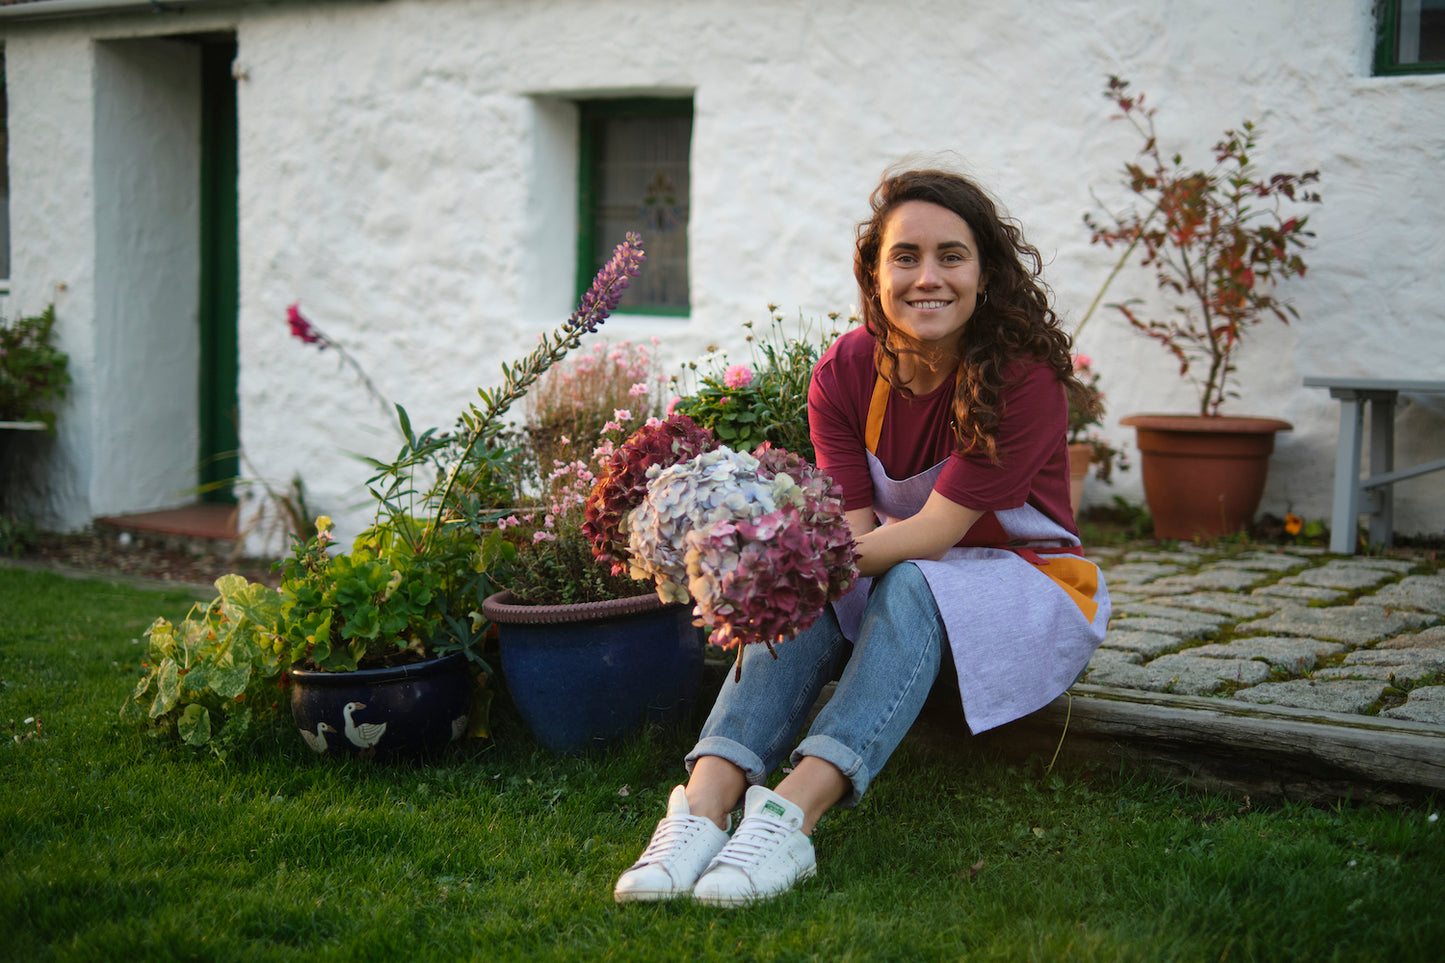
[(52, 234), (147, 269), (408, 174)]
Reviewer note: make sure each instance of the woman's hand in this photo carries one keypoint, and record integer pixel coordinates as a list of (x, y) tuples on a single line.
[(928, 535)]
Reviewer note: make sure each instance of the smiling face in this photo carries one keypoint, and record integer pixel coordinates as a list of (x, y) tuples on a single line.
[(929, 273)]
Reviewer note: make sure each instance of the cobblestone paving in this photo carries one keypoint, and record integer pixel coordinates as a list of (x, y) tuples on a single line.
[(1293, 627)]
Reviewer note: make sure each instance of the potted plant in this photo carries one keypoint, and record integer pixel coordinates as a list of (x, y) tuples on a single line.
[(1219, 241), (33, 373), (1087, 447), (589, 654), (400, 609)]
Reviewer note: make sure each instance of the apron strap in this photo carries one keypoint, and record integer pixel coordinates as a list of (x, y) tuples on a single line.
[(876, 407)]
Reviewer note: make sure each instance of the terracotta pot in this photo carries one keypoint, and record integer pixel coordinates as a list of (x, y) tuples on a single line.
[(583, 675), (1080, 457), (1203, 475)]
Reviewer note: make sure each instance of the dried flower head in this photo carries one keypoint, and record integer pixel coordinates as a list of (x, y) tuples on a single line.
[(623, 483)]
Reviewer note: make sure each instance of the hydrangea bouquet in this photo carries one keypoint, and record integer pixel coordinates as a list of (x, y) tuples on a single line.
[(759, 542)]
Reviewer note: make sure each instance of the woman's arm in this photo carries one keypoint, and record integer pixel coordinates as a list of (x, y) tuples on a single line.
[(928, 535)]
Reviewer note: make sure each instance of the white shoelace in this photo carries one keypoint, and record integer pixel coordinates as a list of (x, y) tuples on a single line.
[(756, 839), (672, 833)]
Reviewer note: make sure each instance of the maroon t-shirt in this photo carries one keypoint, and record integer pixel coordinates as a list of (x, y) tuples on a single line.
[(917, 434)]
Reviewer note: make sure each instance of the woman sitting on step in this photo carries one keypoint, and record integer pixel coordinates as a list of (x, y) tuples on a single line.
[(944, 420)]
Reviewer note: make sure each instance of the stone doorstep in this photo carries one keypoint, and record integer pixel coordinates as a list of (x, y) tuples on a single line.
[(198, 529)]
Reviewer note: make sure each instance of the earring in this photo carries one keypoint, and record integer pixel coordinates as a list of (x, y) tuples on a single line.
[(984, 299)]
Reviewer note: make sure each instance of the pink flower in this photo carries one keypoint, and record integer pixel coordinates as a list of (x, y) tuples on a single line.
[(638, 390), (543, 536), (673, 404), (621, 414), (1082, 362), (737, 376), (301, 328)]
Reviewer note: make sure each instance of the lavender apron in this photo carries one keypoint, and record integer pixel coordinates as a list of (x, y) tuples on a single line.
[(1022, 620)]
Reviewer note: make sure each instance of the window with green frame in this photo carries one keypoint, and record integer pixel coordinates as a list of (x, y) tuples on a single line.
[(633, 176), (1410, 36)]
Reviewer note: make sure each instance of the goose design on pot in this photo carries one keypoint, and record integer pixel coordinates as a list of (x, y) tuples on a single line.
[(317, 740), (364, 735)]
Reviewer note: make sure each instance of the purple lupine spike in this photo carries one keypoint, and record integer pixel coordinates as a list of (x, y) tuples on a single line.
[(601, 298)]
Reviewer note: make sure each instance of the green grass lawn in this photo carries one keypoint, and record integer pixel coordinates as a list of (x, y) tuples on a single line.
[(116, 846)]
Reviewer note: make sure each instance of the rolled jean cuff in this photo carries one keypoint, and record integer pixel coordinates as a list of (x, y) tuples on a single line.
[(734, 752), (848, 762)]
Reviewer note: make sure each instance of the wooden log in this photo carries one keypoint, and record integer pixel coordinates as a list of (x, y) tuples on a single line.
[(1237, 747)]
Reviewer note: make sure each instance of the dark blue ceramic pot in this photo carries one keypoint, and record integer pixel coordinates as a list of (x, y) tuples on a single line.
[(583, 675), (405, 710)]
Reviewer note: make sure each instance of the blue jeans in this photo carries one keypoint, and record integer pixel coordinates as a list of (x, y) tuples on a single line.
[(886, 674)]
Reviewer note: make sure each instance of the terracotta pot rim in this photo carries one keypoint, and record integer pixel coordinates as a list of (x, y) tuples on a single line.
[(1250, 424), (502, 608)]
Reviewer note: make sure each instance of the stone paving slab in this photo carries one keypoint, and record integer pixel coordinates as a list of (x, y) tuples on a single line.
[(1431, 660), (1176, 560), (1179, 674), (1103, 657), (1402, 674), (1425, 593), (1209, 579), (1182, 630), (1338, 575), (1353, 624), (1147, 644), (1175, 613), (1135, 573), (1219, 603), (1296, 656), (1302, 593), (1431, 638), (1345, 695), (1264, 562), (1426, 704), (1187, 664)]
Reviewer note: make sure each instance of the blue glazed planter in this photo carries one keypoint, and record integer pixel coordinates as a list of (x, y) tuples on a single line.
[(584, 675), (405, 710)]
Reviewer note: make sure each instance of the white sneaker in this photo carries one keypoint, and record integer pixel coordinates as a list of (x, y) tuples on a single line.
[(767, 855), (681, 847)]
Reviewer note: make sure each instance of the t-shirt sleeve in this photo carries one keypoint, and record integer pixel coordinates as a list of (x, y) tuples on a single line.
[(1034, 417), (836, 424)]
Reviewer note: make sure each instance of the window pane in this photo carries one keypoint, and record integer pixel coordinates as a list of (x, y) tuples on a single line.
[(1420, 36), (640, 183)]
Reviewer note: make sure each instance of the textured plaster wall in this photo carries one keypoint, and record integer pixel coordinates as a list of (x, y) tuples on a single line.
[(408, 174), (147, 172), (49, 86)]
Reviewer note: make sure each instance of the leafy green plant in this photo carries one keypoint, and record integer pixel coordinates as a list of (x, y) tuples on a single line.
[(1217, 240), (33, 371), (210, 678), (380, 603), (746, 405)]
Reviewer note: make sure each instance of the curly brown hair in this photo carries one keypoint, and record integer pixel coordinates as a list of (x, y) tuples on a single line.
[(1014, 320)]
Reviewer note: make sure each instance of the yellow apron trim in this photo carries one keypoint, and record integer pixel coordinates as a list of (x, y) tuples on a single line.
[(1078, 577), (876, 407)]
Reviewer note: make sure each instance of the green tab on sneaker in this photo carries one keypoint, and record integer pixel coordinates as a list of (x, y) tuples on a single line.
[(775, 808)]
